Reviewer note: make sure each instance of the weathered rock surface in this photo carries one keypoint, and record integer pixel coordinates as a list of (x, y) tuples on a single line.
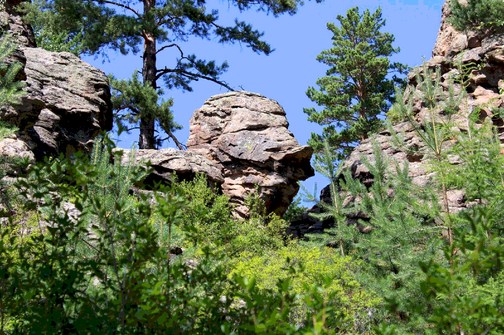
[(67, 101), (482, 51), (246, 135), (167, 162)]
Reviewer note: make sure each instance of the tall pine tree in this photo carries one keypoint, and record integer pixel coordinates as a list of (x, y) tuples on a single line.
[(151, 27), (357, 89)]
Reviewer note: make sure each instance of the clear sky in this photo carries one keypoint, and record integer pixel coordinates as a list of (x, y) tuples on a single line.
[(286, 73)]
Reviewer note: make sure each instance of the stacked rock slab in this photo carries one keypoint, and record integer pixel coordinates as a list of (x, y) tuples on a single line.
[(484, 53), (67, 101), (247, 135), (169, 163)]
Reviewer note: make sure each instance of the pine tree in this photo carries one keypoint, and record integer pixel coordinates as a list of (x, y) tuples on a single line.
[(341, 234), (435, 131), (356, 90), (10, 89), (10, 93), (134, 97), (156, 26), (476, 14)]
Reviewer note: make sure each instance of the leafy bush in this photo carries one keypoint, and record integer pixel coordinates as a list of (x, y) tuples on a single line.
[(295, 211), (207, 217), (314, 265)]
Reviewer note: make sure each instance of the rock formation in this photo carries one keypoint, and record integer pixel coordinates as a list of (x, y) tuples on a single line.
[(247, 135), (11, 21), (67, 101), (484, 53), (240, 141)]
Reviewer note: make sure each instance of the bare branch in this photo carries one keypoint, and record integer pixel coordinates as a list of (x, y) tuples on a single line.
[(161, 21), (133, 108), (169, 46), (193, 76), (179, 145)]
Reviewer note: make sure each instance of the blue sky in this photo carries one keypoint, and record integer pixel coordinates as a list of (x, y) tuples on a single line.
[(286, 73)]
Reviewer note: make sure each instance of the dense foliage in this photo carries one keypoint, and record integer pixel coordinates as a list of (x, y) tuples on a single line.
[(107, 261), (80, 253), (357, 89), (437, 271)]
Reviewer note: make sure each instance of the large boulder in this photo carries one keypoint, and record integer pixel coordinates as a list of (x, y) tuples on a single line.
[(481, 51), (67, 102), (247, 135)]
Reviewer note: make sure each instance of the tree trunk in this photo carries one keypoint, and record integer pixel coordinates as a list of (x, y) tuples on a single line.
[(147, 139)]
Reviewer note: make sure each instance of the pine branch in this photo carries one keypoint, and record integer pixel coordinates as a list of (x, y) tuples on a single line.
[(121, 5), (179, 145)]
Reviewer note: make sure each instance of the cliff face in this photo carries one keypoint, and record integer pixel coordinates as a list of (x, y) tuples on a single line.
[(483, 52)]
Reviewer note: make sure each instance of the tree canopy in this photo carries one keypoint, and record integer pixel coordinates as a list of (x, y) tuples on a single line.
[(357, 88)]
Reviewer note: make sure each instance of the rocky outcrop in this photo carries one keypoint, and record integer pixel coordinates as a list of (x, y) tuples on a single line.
[(247, 135), (483, 52), (67, 101), (240, 141)]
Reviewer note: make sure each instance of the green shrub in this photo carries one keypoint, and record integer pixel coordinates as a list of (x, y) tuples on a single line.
[(11, 91), (476, 14), (207, 217), (295, 211), (353, 304)]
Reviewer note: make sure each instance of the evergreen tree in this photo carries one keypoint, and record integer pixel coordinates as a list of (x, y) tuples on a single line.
[(341, 234), (130, 97), (10, 93), (156, 26), (10, 89), (435, 131), (476, 14), (356, 90)]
